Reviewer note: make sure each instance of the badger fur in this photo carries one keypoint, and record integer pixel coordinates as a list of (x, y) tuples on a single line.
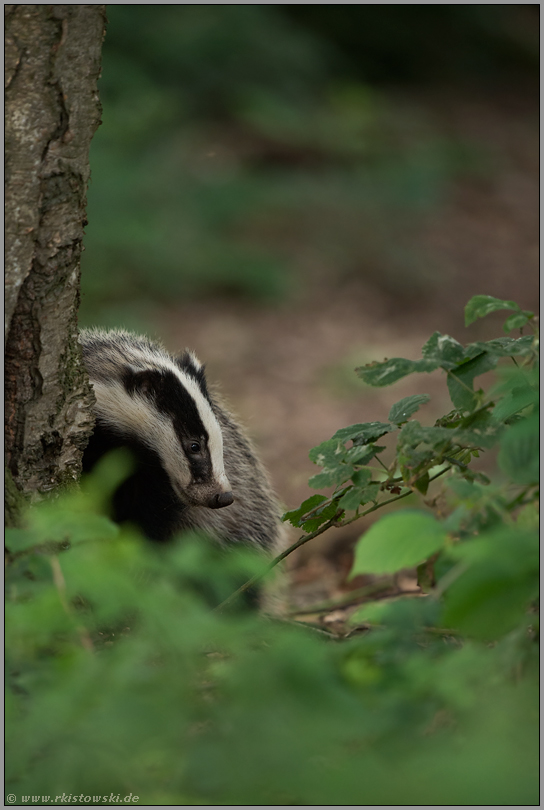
[(195, 467)]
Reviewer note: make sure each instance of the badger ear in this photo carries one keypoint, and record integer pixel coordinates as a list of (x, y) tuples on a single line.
[(191, 365), (189, 362), (145, 382)]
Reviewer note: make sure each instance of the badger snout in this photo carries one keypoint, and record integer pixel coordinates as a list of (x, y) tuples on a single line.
[(211, 497), (220, 500)]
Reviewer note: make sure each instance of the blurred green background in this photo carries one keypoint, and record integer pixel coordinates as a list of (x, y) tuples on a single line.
[(263, 151)]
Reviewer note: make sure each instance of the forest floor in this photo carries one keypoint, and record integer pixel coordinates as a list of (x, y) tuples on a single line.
[(287, 370)]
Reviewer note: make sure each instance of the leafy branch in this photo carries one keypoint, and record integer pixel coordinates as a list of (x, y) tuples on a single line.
[(477, 423), (333, 522)]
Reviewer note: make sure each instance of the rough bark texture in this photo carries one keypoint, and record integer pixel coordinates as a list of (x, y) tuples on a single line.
[(52, 55)]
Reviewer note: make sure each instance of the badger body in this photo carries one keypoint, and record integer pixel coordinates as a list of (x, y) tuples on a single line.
[(194, 466)]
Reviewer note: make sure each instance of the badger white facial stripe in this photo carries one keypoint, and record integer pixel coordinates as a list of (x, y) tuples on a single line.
[(211, 426)]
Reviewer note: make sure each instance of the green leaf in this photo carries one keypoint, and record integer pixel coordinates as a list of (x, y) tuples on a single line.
[(360, 454), (490, 597), (370, 493), (370, 450), (352, 498), (460, 380), (400, 540), (480, 429), (17, 540), (404, 408), (518, 390), (504, 346), (422, 483), (388, 372), (363, 433), (29, 572), (414, 434), (327, 513), (418, 445), (487, 603), (518, 400), (517, 321), (108, 473), (327, 454), (481, 305), (331, 478), (361, 477), (528, 517), (360, 494), (463, 399), (519, 454), (443, 350), (295, 515), (59, 524)]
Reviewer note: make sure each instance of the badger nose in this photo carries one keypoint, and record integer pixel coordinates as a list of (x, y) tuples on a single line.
[(222, 499)]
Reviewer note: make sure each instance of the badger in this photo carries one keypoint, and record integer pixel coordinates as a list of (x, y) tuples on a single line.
[(195, 467)]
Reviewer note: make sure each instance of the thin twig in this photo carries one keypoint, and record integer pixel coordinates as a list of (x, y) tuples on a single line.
[(378, 459)]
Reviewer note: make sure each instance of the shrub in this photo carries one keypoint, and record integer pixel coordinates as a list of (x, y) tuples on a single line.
[(123, 681)]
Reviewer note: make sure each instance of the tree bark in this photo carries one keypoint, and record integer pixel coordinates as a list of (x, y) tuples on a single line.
[(52, 55)]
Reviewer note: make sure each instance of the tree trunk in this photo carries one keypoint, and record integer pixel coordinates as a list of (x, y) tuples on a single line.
[(52, 55)]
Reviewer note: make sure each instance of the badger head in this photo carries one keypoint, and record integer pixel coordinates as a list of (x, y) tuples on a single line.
[(164, 404)]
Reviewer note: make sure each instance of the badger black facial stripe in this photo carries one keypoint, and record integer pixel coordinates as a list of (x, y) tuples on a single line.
[(173, 398)]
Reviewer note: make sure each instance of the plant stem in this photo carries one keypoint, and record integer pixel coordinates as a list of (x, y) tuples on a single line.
[(378, 459)]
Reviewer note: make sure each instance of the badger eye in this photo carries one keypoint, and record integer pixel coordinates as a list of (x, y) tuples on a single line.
[(194, 447)]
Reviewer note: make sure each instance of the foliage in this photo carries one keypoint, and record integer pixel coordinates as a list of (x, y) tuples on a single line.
[(122, 679), (478, 421)]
